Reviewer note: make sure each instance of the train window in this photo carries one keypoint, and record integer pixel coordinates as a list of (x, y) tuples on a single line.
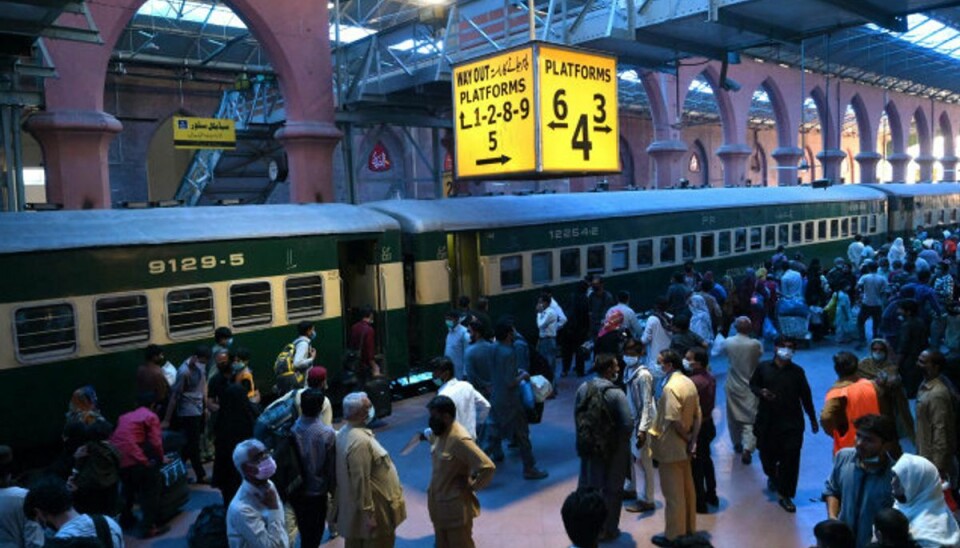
[(250, 304), (706, 245), (844, 228), (783, 234), (620, 257), (928, 217), (808, 231), (943, 215), (770, 236), (570, 262), (122, 320), (541, 267), (873, 224), (834, 229), (755, 241), (953, 215), (45, 331), (821, 230), (645, 253), (796, 233), (863, 225), (688, 247), (190, 311), (739, 240), (853, 226), (511, 271), (596, 259), (304, 297), (668, 250), (723, 248)]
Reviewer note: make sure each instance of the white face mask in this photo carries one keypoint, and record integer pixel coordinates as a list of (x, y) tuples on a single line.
[(631, 361), (785, 354), (686, 364), (371, 414)]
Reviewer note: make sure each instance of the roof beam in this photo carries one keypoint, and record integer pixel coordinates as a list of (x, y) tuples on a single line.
[(222, 48), (888, 21), (679, 44), (738, 21)]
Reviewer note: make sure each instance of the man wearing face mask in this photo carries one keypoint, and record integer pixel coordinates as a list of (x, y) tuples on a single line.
[(151, 378), (222, 341), (456, 342), (784, 396), (639, 382), (847, 400), (50, 504), (859, 486), (460, 468), (255, 516), (370, 503), (704, 475), (472, 407)]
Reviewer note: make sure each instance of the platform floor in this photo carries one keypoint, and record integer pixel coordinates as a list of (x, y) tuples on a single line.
[(526, 514)]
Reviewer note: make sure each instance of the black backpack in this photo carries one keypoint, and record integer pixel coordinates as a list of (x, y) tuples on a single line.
[(595, 424), (289, 477), (210, 528)]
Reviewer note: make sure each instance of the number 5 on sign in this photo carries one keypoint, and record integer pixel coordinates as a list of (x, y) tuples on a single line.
[(578, 98)]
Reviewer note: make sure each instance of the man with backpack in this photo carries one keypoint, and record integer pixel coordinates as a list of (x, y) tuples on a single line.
[(49, 503), (295, 358), (603, 423), (316, 442)]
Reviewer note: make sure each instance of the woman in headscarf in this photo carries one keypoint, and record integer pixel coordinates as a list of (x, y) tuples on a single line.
[(745, 292), (700, 322), (845, 323), (897, 251), (731, 304), (610, 337), (918, 494), (84, 407), (235, 420), (758, 301), (880, 368)]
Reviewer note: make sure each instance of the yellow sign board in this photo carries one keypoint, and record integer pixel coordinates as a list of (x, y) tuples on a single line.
[(494, 115), (579, 128), (536, 111), (194, 133)]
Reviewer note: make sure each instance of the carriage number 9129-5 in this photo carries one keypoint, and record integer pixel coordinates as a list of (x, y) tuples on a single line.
[(189, 264)]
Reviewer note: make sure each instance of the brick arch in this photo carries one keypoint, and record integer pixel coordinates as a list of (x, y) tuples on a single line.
[(658, 104), (924, 137), (897, 136), (728, 122), (828, 130), (864, 129), (780, 112), (946, 130)]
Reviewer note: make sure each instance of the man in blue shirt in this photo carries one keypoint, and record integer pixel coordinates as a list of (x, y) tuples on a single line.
[(859, 485)]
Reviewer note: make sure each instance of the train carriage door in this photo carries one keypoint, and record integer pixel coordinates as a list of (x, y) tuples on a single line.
[(360, 285), (464, 260)]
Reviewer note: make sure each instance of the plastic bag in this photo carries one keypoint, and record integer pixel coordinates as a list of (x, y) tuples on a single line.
[(718, 345), (526, 394), (541, 388)]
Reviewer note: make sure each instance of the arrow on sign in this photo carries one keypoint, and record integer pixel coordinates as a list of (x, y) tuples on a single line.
[(502, 159), (602, 129), (557, 125)]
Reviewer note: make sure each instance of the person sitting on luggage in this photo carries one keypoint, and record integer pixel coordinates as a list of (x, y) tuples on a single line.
[(138, 439), (255, 517), (49, 503)]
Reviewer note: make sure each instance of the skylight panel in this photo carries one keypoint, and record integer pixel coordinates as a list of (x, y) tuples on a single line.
[(193, 11)]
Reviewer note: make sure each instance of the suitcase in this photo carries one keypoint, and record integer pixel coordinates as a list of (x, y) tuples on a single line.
[(174, 491), (378, 390)]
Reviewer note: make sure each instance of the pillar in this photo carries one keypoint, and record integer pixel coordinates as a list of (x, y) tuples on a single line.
[(75, 145), (898, 164), (926, 167), (868, 166), (667, 156), (309, 147), (734, 159), (787, 160), (949, 164), (830, 159)]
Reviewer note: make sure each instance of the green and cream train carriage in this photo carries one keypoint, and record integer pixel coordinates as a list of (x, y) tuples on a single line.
[(512, 247), (84, 292), (920, 204)]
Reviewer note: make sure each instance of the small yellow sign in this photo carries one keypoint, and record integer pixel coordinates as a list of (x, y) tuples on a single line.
[(494, 115), (196, 133), (579, 130)]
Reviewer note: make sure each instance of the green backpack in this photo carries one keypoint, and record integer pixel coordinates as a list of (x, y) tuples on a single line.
[(595, 424)]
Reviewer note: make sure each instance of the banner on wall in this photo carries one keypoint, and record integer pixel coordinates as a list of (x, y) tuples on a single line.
[(379, 160)]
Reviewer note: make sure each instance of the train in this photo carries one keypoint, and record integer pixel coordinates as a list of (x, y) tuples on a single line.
[(85, 292)]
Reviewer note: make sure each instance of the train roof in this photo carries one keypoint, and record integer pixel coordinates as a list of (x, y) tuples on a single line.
[(44, 231), (419, 216), (921, 189)]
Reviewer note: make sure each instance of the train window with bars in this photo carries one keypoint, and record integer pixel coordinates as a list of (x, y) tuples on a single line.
[(739, 240), (511, 271), (668, 250), (250, 304), (834, 229), (45, 331), (190, 311), (304, 297), (808, 232), (844, 228), (796, 233), (706, 245), (122, 320), (756, 234), (928, 217), (770, 236), (724, 243), (873, 224), (688, 247), (821, 230), (943, 215), (570, 262), (596, 259), (645, 253), (953, 215), (620, 257), (541, 267), (783, 235), (853, 226), (863, 224)]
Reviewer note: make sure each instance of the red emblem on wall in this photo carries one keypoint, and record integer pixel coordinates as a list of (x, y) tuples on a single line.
[(379, 159)]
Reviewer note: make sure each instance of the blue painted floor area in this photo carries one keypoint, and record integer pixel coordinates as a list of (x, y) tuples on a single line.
[(526, 514)]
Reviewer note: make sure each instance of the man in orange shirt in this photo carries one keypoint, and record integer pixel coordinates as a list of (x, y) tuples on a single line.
[(847, 400)]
